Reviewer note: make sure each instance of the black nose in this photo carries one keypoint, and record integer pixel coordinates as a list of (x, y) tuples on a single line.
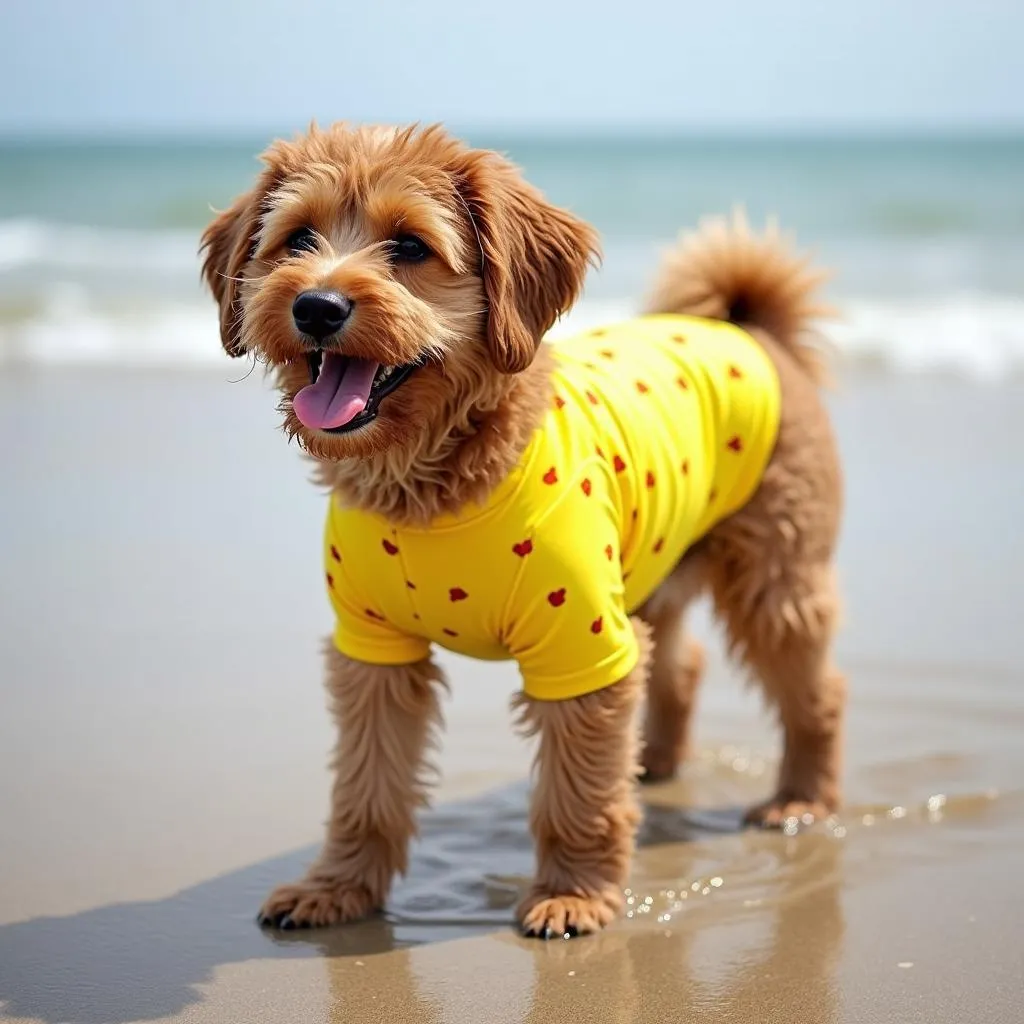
[(320, 314)]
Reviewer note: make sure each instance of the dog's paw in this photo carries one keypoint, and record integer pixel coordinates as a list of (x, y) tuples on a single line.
[(779, 811), (315, 904), (658, 764), (544, 916)]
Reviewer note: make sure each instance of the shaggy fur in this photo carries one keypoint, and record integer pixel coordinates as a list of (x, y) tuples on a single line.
[(505, 264)]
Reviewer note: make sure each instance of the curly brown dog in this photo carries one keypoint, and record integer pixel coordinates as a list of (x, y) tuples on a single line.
[(401, 285)]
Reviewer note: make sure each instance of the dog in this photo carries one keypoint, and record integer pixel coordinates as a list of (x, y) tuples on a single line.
[(562, 503)]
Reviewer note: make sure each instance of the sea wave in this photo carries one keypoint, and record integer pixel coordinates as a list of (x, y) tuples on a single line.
[(27, 244), (974, 336), (85, 295)]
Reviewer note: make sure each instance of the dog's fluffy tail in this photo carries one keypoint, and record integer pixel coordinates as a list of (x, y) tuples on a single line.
[(725, 271)]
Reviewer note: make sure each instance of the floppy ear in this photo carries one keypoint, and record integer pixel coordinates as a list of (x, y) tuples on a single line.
[(228, 242), (534, 257)]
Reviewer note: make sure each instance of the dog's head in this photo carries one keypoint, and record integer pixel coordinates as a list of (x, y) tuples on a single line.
[(387, 275)]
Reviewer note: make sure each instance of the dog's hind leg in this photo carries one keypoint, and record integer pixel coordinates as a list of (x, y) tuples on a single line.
[(677, 664), (770, 571)]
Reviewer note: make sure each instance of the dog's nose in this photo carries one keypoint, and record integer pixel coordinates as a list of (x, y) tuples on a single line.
[(320, 314)]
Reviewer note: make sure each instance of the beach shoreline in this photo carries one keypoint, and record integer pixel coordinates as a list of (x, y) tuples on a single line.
[(164, 743)]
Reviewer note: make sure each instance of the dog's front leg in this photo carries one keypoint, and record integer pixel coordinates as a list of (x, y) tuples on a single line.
[(584, 815), (386, 715)]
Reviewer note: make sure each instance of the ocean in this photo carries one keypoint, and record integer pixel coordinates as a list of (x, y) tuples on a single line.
[(98, 260)]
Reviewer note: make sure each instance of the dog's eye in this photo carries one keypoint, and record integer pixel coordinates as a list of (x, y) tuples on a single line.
[(303, 240), (409, 249)]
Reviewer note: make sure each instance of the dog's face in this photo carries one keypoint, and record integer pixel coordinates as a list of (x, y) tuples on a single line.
[(389, 276)]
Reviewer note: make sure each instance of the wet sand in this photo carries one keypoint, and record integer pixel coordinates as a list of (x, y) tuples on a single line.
[(163, 744)]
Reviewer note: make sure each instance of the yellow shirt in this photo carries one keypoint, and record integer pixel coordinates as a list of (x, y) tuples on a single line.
[(661, 427)]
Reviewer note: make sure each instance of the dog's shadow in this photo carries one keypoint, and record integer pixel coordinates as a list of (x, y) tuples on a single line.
[(141, 961)]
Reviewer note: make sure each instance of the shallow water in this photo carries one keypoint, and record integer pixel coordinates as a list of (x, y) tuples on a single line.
[(163, 739)]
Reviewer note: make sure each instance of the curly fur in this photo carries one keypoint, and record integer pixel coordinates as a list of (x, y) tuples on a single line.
[(506, 265)]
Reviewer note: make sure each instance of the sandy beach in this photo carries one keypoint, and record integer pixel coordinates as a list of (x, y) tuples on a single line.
[(163, 747)]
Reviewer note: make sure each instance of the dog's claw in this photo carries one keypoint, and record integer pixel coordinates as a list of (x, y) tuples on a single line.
[(549, 933), (283, 922)]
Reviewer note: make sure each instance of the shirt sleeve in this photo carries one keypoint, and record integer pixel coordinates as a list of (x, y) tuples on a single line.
[(362, 631), (567, 623)]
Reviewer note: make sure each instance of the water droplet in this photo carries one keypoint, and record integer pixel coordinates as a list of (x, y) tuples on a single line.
[(868, 819), (648, 900), (839, 832), (716, 881), (897, 812), (937, 802), (572, 974)]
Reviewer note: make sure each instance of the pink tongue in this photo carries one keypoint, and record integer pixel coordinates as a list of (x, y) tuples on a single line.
[(339, 395)]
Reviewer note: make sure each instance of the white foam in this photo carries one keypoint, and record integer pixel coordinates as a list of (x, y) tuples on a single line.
[(32, 244), (82, 295), (976, 336), (970, 334), (70, 333)]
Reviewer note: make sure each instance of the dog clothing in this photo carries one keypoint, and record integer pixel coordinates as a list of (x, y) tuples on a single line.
[(659, 428)]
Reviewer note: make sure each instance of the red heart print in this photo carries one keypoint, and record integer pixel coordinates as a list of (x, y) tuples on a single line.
[(330, 580), (551, 477), (659, 544), (523, 548), (597, 625), (735, 372), (600, 451), (389, 547), (642, 387), (735, 444), (650, 479), (457, 594), (683, 383), (586, 487), (608, 551), (335, 554), (557, 598), (559, 402), (618, 464), (591, 398)]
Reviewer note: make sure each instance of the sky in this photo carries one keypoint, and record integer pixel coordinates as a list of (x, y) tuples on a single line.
[(226, 67)]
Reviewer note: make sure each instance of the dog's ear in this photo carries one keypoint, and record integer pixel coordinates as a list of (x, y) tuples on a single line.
[(534, 256), (228, 243)]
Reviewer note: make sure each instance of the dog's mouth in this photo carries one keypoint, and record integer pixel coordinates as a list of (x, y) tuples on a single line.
[(345, 392)]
